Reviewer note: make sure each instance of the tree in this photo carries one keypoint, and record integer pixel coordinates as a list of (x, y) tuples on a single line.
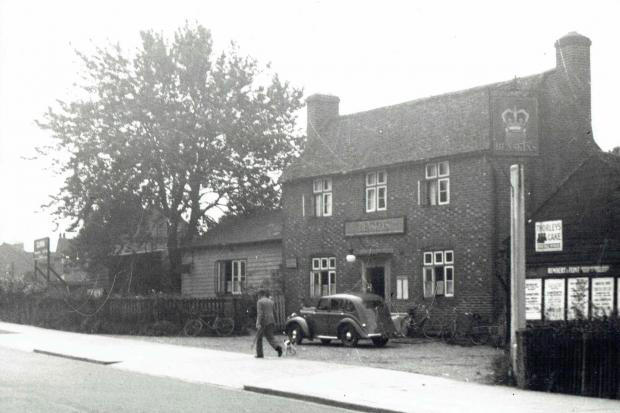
[(177, 128)]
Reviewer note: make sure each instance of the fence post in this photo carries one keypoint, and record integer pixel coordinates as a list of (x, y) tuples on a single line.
[(584, 355)]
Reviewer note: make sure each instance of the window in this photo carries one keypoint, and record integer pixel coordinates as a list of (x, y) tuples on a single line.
[(376, 191), (322, 190), (438, 273), (231, 276), (323, 276), (437, 184), (402, 288)]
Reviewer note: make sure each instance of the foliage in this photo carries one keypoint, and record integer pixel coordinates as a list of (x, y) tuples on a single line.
[(175, 129)]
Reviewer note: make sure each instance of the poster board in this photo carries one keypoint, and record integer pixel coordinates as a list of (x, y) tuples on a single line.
[(578, 298), (548, 236), (533, 299), (554, 299), (602, 296)]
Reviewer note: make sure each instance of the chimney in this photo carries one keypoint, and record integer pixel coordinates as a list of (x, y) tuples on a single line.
[(321, 108), (572, 54)]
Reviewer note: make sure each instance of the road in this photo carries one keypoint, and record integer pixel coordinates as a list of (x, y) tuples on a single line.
[(31, 382)]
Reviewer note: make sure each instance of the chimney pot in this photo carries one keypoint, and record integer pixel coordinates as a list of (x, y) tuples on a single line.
[(321, 108)]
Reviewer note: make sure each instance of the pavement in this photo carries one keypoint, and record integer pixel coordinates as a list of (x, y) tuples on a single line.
[(353, 387)]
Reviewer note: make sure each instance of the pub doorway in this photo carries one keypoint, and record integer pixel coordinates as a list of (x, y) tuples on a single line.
[(376, 280)]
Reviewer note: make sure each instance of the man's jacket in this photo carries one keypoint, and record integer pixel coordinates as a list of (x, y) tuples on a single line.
[(264, 312)]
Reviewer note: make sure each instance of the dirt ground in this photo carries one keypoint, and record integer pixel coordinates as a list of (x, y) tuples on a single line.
[(423, 356)]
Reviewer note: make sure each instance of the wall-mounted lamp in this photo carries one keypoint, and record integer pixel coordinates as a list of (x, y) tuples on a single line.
[(350, 257)]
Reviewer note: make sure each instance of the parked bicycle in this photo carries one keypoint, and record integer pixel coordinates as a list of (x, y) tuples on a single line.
[(222, 326), (417, 322), (467, 326)]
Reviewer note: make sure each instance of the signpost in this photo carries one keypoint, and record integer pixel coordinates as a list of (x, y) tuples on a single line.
[(42, 253), (517, 263)]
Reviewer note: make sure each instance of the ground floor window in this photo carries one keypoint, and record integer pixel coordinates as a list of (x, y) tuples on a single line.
[(323, 276), (438, 273), (231, 276)]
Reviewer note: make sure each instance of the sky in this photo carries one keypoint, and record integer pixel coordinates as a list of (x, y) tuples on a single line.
[(368, 53)]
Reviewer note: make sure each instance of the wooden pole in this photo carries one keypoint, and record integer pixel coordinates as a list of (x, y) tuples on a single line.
[(517, 264)]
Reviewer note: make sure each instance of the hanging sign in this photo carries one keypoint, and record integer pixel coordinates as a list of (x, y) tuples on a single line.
[(533, 299), (578, 297), (602, 296), (554, 299), (548, 236)]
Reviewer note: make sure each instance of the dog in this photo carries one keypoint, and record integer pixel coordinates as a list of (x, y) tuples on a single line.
[(289, 348)]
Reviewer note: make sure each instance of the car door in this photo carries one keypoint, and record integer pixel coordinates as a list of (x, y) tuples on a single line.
[(335, 315), (321, 317)]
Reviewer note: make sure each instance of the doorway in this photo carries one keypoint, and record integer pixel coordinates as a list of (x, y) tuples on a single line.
[(376, 279)]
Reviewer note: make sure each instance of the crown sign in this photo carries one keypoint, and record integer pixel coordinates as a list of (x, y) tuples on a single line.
[(515, 122)]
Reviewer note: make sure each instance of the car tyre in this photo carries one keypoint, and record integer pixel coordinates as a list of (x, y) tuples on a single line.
[(380, 341), (295, 333), (348, 336)]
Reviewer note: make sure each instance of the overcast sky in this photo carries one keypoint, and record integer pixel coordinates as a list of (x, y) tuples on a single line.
[(370, 54)]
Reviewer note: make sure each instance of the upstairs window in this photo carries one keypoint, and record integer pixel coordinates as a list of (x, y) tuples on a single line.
[(437, 183), (376, 191), (322, 190), (231, 276), (438, 273), (323, 276)]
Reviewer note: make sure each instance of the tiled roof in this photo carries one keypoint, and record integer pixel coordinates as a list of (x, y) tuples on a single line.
[(432, 127), (258, 227)]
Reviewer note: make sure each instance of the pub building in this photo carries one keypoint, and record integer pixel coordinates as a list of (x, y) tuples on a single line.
[(573, 246), (412, 201)]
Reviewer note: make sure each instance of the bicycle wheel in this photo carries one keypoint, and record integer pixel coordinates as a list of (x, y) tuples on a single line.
[(427, 332), (224, 326), (193, 327), (479, 336)]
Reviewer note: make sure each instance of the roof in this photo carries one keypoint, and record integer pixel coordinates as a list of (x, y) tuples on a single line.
[(437, 126), (261, 226), (15, 257)]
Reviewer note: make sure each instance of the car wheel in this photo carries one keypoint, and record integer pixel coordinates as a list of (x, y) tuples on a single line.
[(295, 333), (380, 341), (325, 340), (349, 336)]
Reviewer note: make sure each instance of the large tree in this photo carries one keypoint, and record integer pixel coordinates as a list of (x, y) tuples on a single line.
[(177, 126)]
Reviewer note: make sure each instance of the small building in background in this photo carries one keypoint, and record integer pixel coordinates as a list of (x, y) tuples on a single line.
[(238, 256), (573, 245)]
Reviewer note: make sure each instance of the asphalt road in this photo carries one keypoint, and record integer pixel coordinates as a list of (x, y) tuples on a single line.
[(31, 382)]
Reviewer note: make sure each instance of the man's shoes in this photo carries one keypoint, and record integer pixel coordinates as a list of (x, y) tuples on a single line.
[(258, 357), (279, 350)]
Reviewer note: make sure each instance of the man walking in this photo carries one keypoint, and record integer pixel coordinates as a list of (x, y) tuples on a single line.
[(265, 323)]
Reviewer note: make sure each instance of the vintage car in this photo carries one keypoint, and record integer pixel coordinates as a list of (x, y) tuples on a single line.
[(345, 317)]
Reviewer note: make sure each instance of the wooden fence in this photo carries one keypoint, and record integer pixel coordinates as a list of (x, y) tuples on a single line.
[(581, 363), (134, 310)]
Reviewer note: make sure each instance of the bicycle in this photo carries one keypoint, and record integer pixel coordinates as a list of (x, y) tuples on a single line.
[(417, 321), (467, 326), (223, 326)]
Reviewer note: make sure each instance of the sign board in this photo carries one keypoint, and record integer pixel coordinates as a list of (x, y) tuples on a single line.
[(602, 296), (554, 299), (375, 227), (578, 297), (533, 299), (577, 269), (41, 249), (515, 124), (548, 236)]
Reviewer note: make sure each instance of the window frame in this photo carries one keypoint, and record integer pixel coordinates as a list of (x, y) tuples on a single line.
[(402, 288), (375, 186), (433, 261), (323, 199), (437, 183), (238, 276), (323, 267)]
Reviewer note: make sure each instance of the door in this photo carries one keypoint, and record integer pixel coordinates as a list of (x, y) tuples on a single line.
[(376, 276), (320, 318)]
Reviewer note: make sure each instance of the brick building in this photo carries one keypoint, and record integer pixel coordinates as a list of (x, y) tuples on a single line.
[(419, 192)]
